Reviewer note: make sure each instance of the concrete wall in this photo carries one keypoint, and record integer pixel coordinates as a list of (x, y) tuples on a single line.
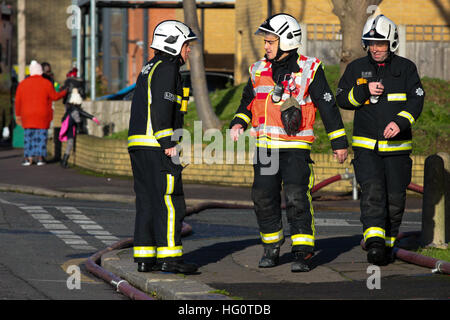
[(113, 115), (109, 156)]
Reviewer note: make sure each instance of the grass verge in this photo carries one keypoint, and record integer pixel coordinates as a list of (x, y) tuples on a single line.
[(440, 254), (431, 132)]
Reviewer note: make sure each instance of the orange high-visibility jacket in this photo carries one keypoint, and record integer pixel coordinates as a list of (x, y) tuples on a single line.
[(308, 85), (266, 115)]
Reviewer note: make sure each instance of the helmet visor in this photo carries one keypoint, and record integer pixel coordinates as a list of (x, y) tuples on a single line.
[(373, 35), (191, 36)]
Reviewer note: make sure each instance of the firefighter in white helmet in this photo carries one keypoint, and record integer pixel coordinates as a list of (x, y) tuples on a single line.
[(387, 96), (157, 110), (280, 102)]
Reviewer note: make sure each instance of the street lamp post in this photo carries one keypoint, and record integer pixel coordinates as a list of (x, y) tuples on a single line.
[(92, 50)]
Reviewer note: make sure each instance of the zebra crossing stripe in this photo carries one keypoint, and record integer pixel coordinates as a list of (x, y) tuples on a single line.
[(57, 228), (88, 225)]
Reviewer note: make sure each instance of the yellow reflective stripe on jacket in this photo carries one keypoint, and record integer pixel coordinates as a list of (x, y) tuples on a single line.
[(184, 99), (243, 117), (164, 133), (408, 116), (144, 252), (352, 100), (373, 232), (142, 140), (272, 237), (275, 132), (302, 239), (149, 100), (266, 142), (396, 97), (336, 134), (363, 142), (388, 145), (166, 252)]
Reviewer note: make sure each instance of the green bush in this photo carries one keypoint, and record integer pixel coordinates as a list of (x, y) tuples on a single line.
[(431, 131)]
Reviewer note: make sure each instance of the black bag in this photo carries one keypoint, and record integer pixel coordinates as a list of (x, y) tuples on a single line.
[(291, 116)]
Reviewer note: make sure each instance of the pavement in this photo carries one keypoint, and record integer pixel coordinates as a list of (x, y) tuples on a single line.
[(227, 269)]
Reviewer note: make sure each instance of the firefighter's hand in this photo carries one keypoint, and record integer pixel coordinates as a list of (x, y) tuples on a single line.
[(340, 155), (236, 131), (376, 88), (391, 130), (171, 152), (19, 121)]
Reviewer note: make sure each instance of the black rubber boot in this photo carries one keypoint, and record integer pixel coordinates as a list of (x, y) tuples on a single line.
[(144, 266), (376, 254), (64, 161), (271, 256), (389, 255), (301, 261), (177, 267)]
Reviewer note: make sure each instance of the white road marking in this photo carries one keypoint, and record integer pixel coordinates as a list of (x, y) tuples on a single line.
[(57, 227), (331, 222), (88, 225)]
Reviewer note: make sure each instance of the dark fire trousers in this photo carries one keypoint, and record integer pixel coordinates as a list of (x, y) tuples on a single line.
[(383, 180), (160, 206), (293, 169)]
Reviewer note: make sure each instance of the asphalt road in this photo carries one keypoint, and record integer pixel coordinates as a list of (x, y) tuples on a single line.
[(41, 237), (45, 241)]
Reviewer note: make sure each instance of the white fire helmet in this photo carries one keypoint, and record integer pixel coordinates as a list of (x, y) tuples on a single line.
[(170, 35), (380, 28), (286, 28)]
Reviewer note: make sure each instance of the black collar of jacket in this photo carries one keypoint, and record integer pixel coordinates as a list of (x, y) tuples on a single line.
[(392, 63), (284, 66), (170, 58)]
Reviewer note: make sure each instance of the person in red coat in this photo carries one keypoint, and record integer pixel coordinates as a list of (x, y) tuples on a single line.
[(34, 97)]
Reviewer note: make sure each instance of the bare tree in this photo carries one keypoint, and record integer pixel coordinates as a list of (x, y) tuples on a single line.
[(198, 77), (352, 15), (443, 11)]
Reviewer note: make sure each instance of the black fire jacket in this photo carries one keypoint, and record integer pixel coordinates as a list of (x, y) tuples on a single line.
[(401, 102), (155, 108)]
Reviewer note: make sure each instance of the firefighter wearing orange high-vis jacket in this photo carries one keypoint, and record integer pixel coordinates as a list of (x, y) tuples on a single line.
[(157, 110), (386, 93), (280, 101)]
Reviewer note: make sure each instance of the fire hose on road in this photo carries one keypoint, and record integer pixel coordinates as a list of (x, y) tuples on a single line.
[(436, 266), (418, 259), (121, 285)]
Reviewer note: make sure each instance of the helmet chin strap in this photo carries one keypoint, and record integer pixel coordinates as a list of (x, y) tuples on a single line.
[(278, 55), (279, 52), (182, 62)]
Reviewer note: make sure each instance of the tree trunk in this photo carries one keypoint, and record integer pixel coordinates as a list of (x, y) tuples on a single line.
[(198, 77), (352, 15)]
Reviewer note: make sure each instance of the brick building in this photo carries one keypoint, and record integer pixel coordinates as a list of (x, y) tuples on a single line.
[(425, 26), (229, 43), (47, 36), (6, 35), (217, 25)]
